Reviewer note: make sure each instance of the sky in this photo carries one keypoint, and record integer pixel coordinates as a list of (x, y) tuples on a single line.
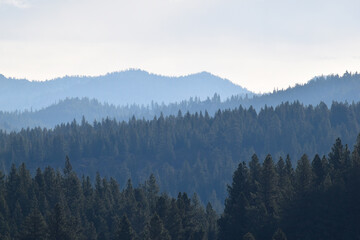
[(259, 44)]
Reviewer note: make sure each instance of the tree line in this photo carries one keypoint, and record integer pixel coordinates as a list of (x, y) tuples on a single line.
[(60, 205), (187, 152), (317, 199), (333, 88)]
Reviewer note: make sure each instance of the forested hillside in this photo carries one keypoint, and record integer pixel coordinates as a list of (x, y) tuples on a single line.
[(61, 206), (325, 89), (118, 88), (318, 199), (322, 89), (187, 152)]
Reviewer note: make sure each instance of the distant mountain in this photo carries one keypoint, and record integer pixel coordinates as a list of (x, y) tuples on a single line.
[(321, 89), (118, 88), (325, 89)]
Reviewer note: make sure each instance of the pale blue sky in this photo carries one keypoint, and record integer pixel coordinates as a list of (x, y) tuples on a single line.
[(260, 45)]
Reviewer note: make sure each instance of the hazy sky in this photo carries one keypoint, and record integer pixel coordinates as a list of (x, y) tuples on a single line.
[(260, 45)]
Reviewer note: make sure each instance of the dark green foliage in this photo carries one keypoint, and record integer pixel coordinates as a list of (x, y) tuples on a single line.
[(234, 221), (319, 200), (303, 175), (34, 227), (212, 227), (58, 225), (190, 152), (125, 231), (248, 236), (279, 235), (52, 205), (157, 230)]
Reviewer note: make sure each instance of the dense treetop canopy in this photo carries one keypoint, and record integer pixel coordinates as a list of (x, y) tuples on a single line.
[(187, 152)]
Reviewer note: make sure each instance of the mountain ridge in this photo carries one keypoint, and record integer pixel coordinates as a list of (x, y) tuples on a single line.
[(118, 88), (326, 89)]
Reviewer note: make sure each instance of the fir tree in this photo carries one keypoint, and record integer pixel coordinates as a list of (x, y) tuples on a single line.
[(248, 236), (125, 231), (58, 226), (279, 235), (234, 222), (34, 227), (157, 230)]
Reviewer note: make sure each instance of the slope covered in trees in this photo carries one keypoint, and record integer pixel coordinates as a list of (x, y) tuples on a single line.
[(325, 89), (118, 88), (322, 89), (319, 199), (190, 152), (61, 206)]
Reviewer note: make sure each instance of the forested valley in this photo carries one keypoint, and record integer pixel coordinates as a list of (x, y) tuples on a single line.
[(188, 152), (317, 199)]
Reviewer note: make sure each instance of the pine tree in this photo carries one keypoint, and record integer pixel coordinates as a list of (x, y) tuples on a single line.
[(152, 191), (270, 196), (248, 236), (303, 175), (234, 221), (212, 228), (162, 207), (125, 231), (145, 235), (337, 158), (58, 226), (157, 230), (173, 222), (279, 235), (269, 186), (68, 167), (255, 179), (34, 227), (319, 170)]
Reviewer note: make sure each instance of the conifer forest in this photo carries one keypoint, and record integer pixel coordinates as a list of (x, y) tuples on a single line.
[(276, 174), (317, 199), (179, 120)]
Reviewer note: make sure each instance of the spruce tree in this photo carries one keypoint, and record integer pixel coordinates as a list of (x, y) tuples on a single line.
[(270, 196), (303, 175), (279, 235), (234, 221), (58, 225), (248, 236), (125, 231), (319, 170), (212, 228), (269, 189), (34, 227), (157, 230), (173, 222)]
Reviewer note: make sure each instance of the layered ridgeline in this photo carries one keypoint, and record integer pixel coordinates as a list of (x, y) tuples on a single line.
[(118, 88), (321, 89), (187, 152), (325, 89)]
